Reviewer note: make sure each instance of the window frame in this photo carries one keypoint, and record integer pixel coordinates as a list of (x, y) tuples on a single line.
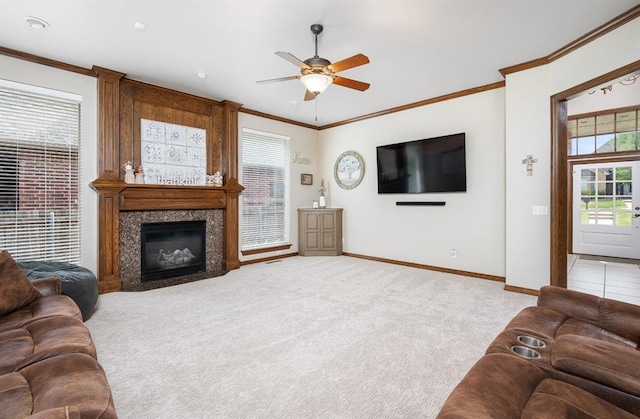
[(582, 137), (42, 129), (250, 134)]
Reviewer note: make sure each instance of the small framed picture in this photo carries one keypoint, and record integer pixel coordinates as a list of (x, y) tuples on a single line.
[(306, 179)]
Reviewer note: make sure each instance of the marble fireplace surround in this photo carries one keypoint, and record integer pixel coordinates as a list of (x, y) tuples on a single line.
[(130, 254)]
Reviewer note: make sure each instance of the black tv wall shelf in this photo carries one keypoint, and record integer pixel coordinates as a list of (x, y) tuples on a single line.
[(421, 203)]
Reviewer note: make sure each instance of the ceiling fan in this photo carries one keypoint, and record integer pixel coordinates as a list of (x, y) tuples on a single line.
[(317, 73)]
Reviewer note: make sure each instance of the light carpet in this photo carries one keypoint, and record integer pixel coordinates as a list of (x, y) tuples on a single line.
[(310, 337)]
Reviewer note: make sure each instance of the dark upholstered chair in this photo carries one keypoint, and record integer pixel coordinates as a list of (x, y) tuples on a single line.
[(77, 282)]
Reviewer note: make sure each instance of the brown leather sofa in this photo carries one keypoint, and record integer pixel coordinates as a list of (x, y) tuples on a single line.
[(48, 365), (572, 355)]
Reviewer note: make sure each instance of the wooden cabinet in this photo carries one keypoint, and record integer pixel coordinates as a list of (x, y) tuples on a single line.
[(320, 232)]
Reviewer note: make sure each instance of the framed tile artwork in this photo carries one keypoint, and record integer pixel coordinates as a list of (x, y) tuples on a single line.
[(173, 154)]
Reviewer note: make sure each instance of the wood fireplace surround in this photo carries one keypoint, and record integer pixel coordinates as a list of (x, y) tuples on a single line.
[(122, 103)]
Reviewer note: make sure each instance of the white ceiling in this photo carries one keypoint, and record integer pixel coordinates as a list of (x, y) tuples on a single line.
[(419, 49)]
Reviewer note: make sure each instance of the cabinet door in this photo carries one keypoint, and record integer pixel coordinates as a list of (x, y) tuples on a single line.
[(328, 231), (312, 234)]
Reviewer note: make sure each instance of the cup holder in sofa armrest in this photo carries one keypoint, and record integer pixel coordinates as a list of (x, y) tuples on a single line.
[(525, 352), (531, 342), (607, 363)]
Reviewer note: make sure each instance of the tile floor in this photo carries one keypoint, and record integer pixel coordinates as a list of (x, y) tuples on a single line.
[(609, 279)]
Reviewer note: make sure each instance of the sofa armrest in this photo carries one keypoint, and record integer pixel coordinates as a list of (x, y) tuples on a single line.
[(48, 286), (498, 386), (620, 318), (603, 362)]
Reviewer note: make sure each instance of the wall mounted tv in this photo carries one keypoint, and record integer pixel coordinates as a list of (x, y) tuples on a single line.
[(423, 166)]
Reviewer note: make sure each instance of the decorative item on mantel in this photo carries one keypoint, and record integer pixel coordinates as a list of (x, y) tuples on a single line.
[(215, 179), (323, 199), (129, 177), (139, 175)]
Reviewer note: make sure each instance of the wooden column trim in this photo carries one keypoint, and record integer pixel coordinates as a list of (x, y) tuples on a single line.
[(230, 258), (230, 140), (108, 169), (108, 122), (559, 185), (108, 234)]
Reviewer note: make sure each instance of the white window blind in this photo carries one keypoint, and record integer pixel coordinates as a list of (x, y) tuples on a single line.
[(265, 199), (39, 171)]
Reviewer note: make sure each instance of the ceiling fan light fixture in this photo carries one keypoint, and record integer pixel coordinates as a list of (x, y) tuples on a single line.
[(316, 83)]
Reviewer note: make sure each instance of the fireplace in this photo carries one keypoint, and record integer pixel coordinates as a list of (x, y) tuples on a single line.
[(172, 249)]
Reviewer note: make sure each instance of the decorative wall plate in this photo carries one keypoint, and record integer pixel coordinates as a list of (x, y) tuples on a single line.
[(349, 170)]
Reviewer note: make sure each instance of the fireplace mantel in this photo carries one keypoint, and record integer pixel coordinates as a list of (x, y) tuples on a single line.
[(141, 197), (116, 196)]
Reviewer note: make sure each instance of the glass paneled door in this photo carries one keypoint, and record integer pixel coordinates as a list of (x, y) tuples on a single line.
[(606, 209)]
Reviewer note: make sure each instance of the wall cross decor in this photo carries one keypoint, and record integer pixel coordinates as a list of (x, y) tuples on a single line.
[(529, 162)]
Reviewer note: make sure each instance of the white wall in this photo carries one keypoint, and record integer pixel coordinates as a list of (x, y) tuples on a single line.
[(528, 130), (48, 77), (619, 97), (305, 142), (470, 222)]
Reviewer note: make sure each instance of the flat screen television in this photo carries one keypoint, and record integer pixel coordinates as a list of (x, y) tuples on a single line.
[(423, 166)]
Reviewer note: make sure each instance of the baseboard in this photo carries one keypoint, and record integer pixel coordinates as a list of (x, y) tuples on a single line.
[(267, 259), (521, 290), (429, 267)]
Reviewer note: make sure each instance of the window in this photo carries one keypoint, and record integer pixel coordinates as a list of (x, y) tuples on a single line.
[(39, 171), (605, 195), (265, 199), (611, 132)]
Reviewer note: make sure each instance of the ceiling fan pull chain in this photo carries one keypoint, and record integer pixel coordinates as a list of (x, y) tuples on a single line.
[(317, 108)]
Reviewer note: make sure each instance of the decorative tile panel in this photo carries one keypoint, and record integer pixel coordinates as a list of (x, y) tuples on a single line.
[(173, 154)]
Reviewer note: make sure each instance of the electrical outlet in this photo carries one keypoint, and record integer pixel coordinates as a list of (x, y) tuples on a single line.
[(454, 253)]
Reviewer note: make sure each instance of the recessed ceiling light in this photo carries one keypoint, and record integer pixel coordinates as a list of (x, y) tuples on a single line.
[(201, 74), (35, 22), (140, 26)]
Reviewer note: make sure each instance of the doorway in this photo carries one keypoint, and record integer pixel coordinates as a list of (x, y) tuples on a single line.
[(606, 207), (559, 212)]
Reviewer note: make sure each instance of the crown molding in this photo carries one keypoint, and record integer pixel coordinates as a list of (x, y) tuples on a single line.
[(413, 105), (587, 38), (276, 118), (46, 61)]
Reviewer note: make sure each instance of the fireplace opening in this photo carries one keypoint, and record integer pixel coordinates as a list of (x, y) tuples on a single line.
[(172, 249)]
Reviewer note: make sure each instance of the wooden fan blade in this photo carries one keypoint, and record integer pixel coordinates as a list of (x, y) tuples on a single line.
[(309, 95), (348, 63), (278, 79), (293, 60), (352, 84)]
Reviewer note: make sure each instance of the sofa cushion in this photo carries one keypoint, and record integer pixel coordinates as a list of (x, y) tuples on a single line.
[(582, 328), (70, 380), (66, 412), (15, 288), (15, 396), (553, 399), (617, 317), (53, 305), (603, 362), (41, 339)]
